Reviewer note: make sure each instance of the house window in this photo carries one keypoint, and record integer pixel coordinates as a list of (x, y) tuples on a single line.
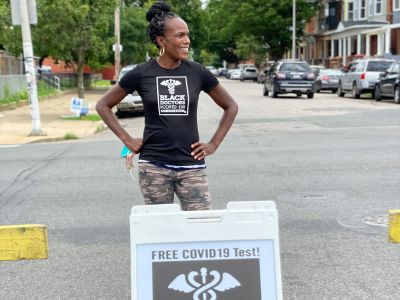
[(371, 7), (378, 7), (396, 4), (362, 9), (350, 14)]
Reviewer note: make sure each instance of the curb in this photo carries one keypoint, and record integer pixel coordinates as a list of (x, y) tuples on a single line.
[(23, 242), (394, 226)]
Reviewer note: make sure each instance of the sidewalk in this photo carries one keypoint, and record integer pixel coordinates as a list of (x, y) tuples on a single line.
[(16, 124)]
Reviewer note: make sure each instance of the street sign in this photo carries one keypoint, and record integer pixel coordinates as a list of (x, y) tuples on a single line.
[(115, 47), (15, 12), (216, 254)]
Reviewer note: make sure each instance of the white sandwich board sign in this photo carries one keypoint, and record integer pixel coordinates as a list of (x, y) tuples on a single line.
[(230, 254)]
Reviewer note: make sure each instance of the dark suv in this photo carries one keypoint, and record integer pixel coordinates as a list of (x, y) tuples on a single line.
[(289, 76), (388, 84)]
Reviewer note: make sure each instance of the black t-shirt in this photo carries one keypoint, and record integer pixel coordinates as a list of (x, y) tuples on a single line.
[(170, 98)]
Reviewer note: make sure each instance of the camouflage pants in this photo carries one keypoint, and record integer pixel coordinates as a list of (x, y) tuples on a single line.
[(158, 186)]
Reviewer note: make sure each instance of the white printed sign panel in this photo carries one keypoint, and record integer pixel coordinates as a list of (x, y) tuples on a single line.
[(223, 270), (209, 255)]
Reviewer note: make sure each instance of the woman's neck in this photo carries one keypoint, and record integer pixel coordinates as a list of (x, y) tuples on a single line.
[(168, 63)]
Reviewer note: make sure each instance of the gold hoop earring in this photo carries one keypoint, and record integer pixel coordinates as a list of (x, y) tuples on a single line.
[(162, 50)]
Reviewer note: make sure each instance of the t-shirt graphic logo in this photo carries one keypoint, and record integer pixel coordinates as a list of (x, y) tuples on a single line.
[(204, 283), (172, 95), (171, 83)]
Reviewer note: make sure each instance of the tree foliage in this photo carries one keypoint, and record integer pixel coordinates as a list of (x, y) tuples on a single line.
[(10, 36), (133, 35), (265, 22), (74, 30), (82, 31)]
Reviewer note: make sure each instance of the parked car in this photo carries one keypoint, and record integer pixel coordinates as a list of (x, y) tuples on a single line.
[(222, 72), (327, 79), (235, 74), (289, 76), (248, 73), (261, 75), (317, 69), (388, 84), (213, 70), (242, 66), (132, 102), (361, 76), (229, 72)]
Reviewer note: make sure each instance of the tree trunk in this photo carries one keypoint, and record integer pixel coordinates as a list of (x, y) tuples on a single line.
[(81, 86)]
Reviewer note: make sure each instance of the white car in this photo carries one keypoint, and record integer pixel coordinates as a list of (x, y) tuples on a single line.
[(361, 76), (249, 73), (235, 74), (132, 102)]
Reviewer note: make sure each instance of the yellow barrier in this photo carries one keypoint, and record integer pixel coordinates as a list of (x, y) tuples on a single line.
[(394, 226), (23, 242)]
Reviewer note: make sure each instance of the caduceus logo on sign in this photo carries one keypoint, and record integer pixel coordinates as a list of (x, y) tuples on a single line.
[(171, 84), (204, 290)]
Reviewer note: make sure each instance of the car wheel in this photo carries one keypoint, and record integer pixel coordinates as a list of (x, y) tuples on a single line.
[(273, 92), (340, 91), (298, 94), (310, 95), (334, 91), (397, 95), (377, 95), (354, 93), (265, 91)]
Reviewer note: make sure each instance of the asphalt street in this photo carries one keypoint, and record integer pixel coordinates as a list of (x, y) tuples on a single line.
[(331, 164)]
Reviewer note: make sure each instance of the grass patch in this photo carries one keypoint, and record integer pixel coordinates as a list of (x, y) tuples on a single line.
[(42, 90), (70, 136), (101, 84), (91, 117)]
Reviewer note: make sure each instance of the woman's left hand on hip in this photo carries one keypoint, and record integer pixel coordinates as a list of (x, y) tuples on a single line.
[(201, 150)]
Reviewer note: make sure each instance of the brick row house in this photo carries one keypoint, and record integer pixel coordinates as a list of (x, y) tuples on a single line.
[(345, 29)]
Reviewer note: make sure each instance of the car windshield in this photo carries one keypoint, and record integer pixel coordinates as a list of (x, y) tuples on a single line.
[(378, 66), (295, 67), (250, 70)]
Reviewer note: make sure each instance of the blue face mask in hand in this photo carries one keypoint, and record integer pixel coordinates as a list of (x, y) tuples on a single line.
[(128, 155)]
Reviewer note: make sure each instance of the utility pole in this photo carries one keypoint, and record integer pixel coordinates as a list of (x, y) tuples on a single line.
[(117, 46), (30, 68), (294, 30)]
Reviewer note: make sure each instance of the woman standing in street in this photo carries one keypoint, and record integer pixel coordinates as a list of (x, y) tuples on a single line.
[(171, 156)]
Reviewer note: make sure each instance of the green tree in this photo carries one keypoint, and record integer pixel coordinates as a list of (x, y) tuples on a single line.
[(208, 59), (266, 22), (194, 15), (134, 35), (4, 23), (10, 36), (248, 47), (74, 31)]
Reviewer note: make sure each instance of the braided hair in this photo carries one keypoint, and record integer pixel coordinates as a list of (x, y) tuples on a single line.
[(157, 14)]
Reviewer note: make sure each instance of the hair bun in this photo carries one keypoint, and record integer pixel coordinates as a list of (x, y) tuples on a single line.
[(156, 9)]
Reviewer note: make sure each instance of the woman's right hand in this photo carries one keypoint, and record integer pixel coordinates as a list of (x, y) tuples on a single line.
[(134, 144)]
